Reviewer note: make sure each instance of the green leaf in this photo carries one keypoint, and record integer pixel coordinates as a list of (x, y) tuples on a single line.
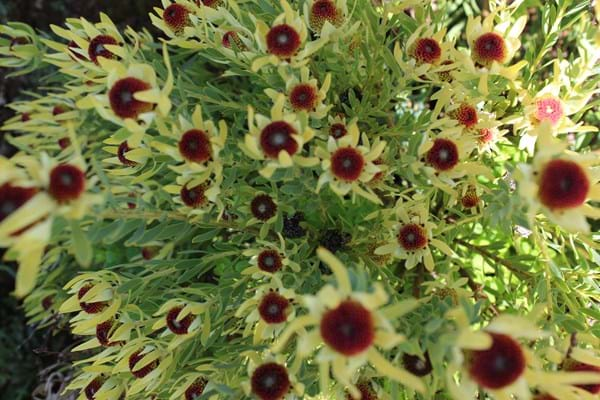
[(81, 245)]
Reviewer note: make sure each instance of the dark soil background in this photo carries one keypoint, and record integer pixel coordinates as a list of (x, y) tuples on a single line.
[(34, 364)]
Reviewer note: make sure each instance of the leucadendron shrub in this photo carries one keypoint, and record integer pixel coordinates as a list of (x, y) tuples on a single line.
[(318, 199)]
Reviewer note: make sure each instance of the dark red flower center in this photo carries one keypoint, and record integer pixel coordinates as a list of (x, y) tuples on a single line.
[(419, 366), (489, 47), (124, 148), (25, 117), (412, 237), (348, 329), (593, 388), (73, 54), (58, 109), (67, 182), (338, 130), (194, 197), (179, 327), (270, 381), (303, 97), (135, 358), (13, 197), (176, 16), (47, 302), (366, 392), (347, 163), (427, 50), (283, 41), (195, 390), (122, 102), (274, 308), (470, 198), (93, 387), (500, 365), (64, 142), (443, 155), (276, 137), (269, 261), (208, 3), (194, 145), (90, 308), (563, 184), (230, 37), (321, 11), (103, 332), (263, 207), (97, 47), (466, 115)]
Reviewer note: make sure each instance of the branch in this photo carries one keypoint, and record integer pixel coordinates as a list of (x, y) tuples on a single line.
[(520, 273)]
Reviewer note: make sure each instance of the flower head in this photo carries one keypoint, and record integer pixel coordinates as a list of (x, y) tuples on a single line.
[(351, 326), (348, 166), (278, 139), (560, 184)]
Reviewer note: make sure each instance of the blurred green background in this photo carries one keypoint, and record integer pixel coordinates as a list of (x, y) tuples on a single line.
[(34, 364)]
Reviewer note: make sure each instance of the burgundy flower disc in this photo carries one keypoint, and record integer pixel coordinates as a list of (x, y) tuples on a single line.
[(194, 146), (97, 49), (500, 365), (176, 16), (270, 381), (347, 163), (230, 37), (283, 41), (136, 357), (269, 261), (544, 396), (563, 184), (103, 332), (348, 329), (73, 54), (122, 102), (47, 302), (366, 392), (208, 3), (338, 130), (593, 388), (194, 197), (64, 142), (443, 155), (182, 326), (196, 389), (67, 182), (274, 308), (412, 237), (321, 11), (489, 47), (25, 117), (93, 387), (263, 207), (58, 109), (470, 198), (427, 50), (549, 109), (90, 308), (277, 136), (466, 115), (124, 148), (12, 198), (303, 97), (416, 365)]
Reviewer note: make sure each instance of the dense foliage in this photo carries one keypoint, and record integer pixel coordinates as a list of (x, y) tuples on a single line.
[(315, 199)]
